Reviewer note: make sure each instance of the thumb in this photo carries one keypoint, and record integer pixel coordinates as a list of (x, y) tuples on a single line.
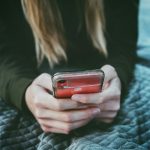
[(45, 81), (110, 73)]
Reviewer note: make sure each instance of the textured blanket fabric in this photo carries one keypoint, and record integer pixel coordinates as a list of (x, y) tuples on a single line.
[(131, 129)]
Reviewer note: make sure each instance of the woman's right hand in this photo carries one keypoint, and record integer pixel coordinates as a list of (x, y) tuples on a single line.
[(56, 115)]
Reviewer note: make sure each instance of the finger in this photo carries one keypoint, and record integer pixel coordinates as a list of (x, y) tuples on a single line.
[(45, 81), (67, 104), (109, 72), (53, 130), (107, 115), (111, 77), (97, 98), (111, 93), (84, 106), (63, 125), (68, 116), (45, 100), (113, 105)]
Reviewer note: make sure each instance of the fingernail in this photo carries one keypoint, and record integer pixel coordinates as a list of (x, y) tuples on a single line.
[(77, 97), (96, 111)]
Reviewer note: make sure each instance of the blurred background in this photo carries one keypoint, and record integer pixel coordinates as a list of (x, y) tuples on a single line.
[(144, 31)]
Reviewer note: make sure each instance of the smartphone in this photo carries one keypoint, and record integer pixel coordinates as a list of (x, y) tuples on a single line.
[(65, 84)]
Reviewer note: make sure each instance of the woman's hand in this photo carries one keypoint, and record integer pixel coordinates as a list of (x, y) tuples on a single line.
[(108, 100), (56, 115)]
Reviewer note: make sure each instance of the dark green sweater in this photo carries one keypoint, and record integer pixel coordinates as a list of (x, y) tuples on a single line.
[(18, 65)]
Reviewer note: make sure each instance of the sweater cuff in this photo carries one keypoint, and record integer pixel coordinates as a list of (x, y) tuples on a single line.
[(17, 92)]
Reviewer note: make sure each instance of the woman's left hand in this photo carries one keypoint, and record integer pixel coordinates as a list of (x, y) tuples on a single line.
[(108, 100)]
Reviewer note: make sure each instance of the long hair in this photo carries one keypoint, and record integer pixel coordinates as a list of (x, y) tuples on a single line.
[(45, 20)]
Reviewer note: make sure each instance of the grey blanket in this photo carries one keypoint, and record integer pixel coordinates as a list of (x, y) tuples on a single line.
[(130, 130)]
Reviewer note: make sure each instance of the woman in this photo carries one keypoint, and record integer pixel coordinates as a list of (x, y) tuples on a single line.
[(104, 33)]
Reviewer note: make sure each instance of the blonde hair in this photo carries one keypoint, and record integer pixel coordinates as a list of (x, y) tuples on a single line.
[(46, 23)]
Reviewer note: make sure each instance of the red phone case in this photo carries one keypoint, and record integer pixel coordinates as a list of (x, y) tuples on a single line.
[(66, 84)]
